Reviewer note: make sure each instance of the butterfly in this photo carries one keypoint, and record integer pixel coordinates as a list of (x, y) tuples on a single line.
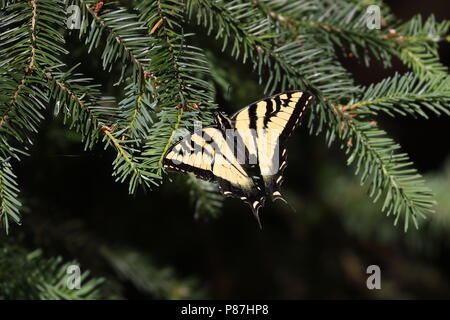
[(245, 154)]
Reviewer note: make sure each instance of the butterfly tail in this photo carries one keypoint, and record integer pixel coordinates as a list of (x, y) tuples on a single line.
[(256, 205), (258, 219)]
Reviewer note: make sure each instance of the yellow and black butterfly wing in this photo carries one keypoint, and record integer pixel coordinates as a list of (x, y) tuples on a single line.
[(191, 154), (258, 139), (208, 156), (264, 127)]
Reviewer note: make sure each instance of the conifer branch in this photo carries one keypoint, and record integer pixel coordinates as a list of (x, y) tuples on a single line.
[(388, 172), (16, 60), (291, 45), (340, 23), (405, 95), (205, 197), (298, 64), (125, 40), (36, 277), (26, 28), (418, 44), (9, 205), (184, 94), (90, 116), (138, 109)]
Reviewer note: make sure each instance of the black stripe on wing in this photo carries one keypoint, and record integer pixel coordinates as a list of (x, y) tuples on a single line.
[(269, 111), (188, 146), (185, 168), (295, 119)]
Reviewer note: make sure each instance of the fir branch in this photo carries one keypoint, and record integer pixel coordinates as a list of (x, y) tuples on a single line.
[(423, 60), (28, 275), (142, 272), (35, 40), (24, 39), (125, 41), (291, 46), (387, 17), (417, 42), (138, 108), (295, 65), (180, 70), (405, 95), (83, 107), (418, 31), (177, 81), (83, 110), (162, 135), (298, 64), (9, 205), (21, 117), (248, 34), (205, 197), (127, 165), (413, 197), (5, 3), (388, 172), (340, 23)]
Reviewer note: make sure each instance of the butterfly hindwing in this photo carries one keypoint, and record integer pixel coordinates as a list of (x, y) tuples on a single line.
[(208, 156)]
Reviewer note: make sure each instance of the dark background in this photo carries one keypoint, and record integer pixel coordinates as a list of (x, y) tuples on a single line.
[(74, 208)]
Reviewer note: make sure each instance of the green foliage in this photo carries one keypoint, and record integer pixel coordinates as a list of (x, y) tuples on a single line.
[(406, 95), (405, 192), (124, 36), (28, 275), (167, 81), (418, 42), (159, 283), (205, 198), (365, 222), (338, 23), (8, 194), (181, 74)]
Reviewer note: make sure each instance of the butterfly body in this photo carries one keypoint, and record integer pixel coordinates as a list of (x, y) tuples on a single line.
[(245, 153)]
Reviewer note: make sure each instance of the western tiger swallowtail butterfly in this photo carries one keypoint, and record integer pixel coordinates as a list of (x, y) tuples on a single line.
[(245, 153)]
